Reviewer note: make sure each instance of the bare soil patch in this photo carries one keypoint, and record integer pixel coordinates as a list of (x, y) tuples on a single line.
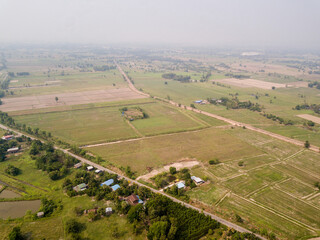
[(178, 165), (310, 117), (44, 101), (247, 83)]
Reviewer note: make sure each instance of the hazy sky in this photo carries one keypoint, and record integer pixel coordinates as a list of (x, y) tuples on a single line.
[(258, 23)]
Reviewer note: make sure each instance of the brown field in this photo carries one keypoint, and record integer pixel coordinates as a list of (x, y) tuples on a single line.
[(44, 101), (310, 117), (247, 83)]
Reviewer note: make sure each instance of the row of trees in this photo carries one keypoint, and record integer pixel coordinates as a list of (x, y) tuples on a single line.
[(235, 103), (277, 119), (176, 77)]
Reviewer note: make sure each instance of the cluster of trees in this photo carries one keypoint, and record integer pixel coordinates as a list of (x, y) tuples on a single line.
[(214, 161), (313, 107), (238, 76), (277, 119), (134, 113), (12, 170), (315, 84), (5, 145), (234, 103), (104, 68), (176, 77), (55, 162), (205, 77)]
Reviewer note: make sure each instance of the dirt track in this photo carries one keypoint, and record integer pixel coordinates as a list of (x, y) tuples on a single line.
[(230, 121), (72, 98)]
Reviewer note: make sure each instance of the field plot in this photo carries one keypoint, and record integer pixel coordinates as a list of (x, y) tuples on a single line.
[(310, 117), (165, 119), (44, 101), (164, 149), (83, 126), (248, 83)]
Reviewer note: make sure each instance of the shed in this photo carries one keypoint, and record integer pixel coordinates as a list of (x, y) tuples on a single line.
[(40, 214), (13, 150), (180, 185), (108, 182), (133, 199), (90, 168), (80, 187), (78, 165), (115, 187), (197, 180), (108, 210)]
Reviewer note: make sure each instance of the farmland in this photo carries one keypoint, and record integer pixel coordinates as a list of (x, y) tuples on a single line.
[(269, 183)]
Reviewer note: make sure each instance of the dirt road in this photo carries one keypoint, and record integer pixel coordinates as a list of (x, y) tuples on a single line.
[(230, 121)]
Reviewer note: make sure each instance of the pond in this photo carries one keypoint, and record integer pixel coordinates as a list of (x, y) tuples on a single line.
[(9, 194), (18, 209)]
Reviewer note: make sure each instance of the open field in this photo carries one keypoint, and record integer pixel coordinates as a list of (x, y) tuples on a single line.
[(44, 101), (157, 151), (310, 117), (247, 83)]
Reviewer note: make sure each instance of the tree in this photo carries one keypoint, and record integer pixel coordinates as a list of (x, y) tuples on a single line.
[(173, 170), (192, 105), (56, 98), (16, 234), (158, 230), (307, 144), (72, 226), (11, 170)]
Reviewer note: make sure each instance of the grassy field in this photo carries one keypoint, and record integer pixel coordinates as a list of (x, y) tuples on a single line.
[(160, 150)]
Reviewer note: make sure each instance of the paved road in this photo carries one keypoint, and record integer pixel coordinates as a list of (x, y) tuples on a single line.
[(84, 160), (230, 121)]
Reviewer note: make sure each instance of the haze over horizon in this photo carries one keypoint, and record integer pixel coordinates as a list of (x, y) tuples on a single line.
[(246, 23)]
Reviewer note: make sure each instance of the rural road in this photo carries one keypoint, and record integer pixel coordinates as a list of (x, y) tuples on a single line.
[(84, 160), (230, 121)]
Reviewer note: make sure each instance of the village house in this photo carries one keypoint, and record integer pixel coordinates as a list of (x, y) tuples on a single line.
[(108, 211), (40, 214), (133, 200), (115, 187), (90, 168), (13, 150), (108, 182), (80, 187), (180, 185), (98, 171), (78, 165), (7, 137), (197, 180)]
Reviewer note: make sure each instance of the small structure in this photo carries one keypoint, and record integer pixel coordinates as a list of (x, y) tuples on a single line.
[(133, 200), (98, 171), (180, 185), (115, 187), (80, 187), (197, 180), (78, 165), (108, 182), (40, 214), (90, 168), (108, 211), (7, 137), (13, 150), (198, 101), (94, 210)]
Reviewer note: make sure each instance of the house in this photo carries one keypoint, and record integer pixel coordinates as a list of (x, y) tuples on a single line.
[(98, 171), (7, 137), (40, 214), (108, 182), (197, 180), (90, 168), (133, 199), (198, 101), (108, 211), (180, 185), (115, 187), (78, 165), (13, 150), (80, 187)]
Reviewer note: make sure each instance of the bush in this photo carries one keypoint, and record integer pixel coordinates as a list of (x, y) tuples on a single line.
[(72, 226), (16, 234), (11, 170), (173, 170)]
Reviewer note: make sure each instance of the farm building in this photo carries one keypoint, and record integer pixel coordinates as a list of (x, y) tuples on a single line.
[(13, 150), (78, 165), (108, 182), (180, 185), (108, 210), (197, 180), (7, 137), (115, 187), (80, 187), (90, 168)]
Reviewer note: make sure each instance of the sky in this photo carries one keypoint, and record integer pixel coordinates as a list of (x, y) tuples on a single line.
[(239, 23)]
